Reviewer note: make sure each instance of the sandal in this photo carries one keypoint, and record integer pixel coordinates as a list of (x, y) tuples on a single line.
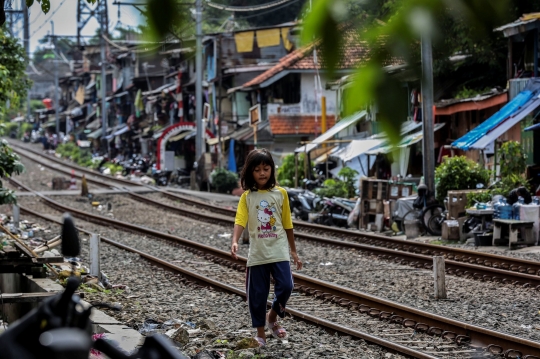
[(261, 341), (278, 331)]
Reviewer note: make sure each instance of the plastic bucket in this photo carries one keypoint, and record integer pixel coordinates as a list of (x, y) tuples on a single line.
[(481, 239)]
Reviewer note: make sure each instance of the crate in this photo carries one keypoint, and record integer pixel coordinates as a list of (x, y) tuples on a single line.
[(372, 206), (374, 189), (399, 190), (367, 219), (457, 202)]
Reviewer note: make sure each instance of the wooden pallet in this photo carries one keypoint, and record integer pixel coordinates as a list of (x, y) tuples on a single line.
[(374, 189), (372, 206)]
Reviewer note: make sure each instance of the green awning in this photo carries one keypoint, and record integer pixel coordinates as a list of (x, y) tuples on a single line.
[(96, 134)]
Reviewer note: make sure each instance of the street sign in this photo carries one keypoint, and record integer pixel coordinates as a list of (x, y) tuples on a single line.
[(255, 115)]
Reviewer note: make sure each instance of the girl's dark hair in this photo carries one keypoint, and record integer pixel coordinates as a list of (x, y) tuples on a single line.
[(255, 158)]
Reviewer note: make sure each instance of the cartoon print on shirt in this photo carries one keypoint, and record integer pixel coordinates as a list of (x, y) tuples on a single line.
[(265, 215)]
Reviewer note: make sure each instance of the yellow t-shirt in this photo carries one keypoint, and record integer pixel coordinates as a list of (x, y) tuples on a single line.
[(267, 214)]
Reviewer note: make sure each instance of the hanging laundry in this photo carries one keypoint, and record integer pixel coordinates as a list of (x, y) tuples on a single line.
[(244, 41), (285, 36), (268, 37)]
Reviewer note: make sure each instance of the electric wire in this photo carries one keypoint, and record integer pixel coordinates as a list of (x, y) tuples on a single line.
[(37, 17), (267, 12), (246, 8), (48, 18)]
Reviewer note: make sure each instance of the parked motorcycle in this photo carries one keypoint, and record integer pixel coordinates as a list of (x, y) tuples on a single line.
[(161, 177), (135, 164), (334, 213), (311, 184), (302, 202)]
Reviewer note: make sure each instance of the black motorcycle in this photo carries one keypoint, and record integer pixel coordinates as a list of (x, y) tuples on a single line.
[(335, 212), (302, 202)]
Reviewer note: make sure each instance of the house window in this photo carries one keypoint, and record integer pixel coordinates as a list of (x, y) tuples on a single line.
[(287, 90), (474, 117)]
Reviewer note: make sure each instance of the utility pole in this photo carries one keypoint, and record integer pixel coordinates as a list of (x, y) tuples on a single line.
[(26, 33), (199, 141), (427, 113), (104, 113), (56, 100)]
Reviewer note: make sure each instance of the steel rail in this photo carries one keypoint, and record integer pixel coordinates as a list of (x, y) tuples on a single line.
[(198, 278), (460, 332), (457, 254), (402, 257), (475, 264), (369, 240), (74, 166)]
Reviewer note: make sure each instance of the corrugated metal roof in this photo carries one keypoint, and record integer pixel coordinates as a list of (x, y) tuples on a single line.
[(525, 23), (519, 103)]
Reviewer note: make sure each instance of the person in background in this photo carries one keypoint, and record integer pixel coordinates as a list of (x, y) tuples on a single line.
[(519, 192)]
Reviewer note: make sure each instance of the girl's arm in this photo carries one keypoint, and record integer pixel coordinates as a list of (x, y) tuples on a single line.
[(240, 222), (292, 244), (238, 229)]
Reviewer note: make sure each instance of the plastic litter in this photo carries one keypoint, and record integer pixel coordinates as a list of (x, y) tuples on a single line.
[(205, 354), (224, 235)]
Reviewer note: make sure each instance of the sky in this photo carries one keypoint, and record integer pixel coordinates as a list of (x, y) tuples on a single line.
[(64, 15)]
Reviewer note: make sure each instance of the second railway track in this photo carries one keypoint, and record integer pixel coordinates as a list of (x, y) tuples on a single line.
[(482, 266)]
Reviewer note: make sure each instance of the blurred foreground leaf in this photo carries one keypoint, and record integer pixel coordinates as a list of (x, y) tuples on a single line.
[(393, 40)]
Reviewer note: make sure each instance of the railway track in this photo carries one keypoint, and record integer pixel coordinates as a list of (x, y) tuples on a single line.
[(459, 262), (458, 336)]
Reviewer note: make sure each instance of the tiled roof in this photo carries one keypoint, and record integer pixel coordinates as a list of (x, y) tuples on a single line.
[(354, 52), (298, 125)]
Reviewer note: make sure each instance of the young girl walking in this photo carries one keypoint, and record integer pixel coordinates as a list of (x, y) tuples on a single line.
[(264, 208)]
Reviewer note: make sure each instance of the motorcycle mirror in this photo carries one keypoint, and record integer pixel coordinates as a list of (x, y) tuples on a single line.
[(71, 244)]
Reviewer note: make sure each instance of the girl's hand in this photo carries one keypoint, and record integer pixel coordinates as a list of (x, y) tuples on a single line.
[(234, 249), (296, 260)]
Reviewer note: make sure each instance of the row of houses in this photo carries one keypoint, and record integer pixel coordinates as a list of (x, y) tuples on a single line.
[(151, 103)]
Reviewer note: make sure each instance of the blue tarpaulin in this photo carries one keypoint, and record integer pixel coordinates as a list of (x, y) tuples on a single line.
[(531, 90), (232, 160)]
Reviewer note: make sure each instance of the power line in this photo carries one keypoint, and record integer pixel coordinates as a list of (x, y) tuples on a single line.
[(269, 11), (47, 19), (246, 8)]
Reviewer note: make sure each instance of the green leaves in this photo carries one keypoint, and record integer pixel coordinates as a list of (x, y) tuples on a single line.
[(457, 173), (287, 170), (29, 3), (13, 81), (161, 14), (323, 22), (391, 30), (224, 181), (512, 159), (45, 5)]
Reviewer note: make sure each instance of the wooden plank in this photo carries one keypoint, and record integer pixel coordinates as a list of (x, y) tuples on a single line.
[(27, 261), (25, 297), (26, 251)]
